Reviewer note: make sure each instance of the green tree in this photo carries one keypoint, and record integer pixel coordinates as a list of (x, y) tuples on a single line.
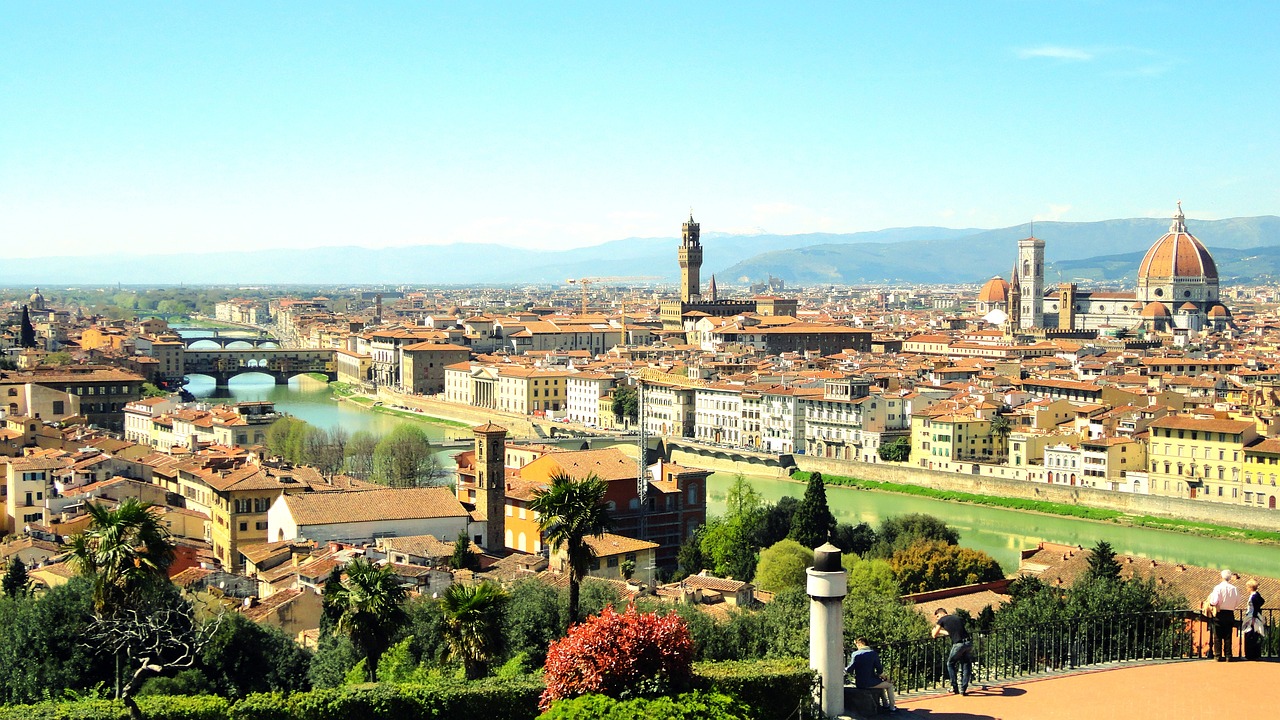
[(27, 335), (280, 434), (689, 557), (1103, 563), (857, 539), (897, 451), (126, 551), (404, 459), (1000, 429), (533, 618), (16, 584), (42, 644), (325, 450), (473, 625), (729, 542), (899, 532), (59, 359), (776, 524), (933, 565), (244, 657), (813, 524), (150, 390), (370, 609), (782, 566), (569, 511), (626, 406), (462, 557), (873, 607)]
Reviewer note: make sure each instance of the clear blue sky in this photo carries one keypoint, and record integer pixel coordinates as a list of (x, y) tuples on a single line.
[(167, 126)]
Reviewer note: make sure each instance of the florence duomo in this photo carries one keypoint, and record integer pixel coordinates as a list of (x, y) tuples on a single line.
[(1177, 289)]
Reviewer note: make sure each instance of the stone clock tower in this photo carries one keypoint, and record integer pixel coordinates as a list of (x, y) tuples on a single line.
[(690, 261)]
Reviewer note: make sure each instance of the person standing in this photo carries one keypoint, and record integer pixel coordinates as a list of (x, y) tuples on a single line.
[(868, 673), (960, 660), (1224, 600), (1253, 626)]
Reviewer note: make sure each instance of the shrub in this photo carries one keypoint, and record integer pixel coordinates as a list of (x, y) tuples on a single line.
[(773, 689), (620, 655), (184, 707), (688, 706)]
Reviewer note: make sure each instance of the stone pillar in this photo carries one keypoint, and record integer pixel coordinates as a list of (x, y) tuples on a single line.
[(827, 585)]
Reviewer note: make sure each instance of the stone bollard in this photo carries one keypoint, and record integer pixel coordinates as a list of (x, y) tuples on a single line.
[(827, 585)]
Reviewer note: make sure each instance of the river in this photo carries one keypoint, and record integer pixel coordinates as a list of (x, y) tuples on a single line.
[(1001, 533)]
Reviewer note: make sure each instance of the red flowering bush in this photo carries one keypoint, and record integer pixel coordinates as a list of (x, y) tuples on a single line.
[(621, 655)]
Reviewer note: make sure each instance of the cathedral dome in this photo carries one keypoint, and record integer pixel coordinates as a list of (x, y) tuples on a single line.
[(1219, 311), (996, 290), (1155, 310), (1177, 254)]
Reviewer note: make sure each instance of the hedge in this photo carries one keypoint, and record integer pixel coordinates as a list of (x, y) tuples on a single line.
[(773, 689), (153, 707), (687, 706)]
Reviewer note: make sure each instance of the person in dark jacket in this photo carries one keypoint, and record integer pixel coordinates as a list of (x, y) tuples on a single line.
[(1253, 626), (868, 674), (960, 659)]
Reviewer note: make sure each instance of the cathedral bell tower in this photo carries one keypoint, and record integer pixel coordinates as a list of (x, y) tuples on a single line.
[(1031, 279), (690, 256)]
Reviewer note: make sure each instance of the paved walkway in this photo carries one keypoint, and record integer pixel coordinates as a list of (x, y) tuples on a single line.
[(1193, 690)]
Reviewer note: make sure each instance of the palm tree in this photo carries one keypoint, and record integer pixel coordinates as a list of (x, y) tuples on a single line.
[(125, 551), (569, 511), (473, 624), (369, 606)]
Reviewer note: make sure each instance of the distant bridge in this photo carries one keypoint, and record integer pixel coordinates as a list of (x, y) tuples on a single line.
[(280, 363), (223, 340)]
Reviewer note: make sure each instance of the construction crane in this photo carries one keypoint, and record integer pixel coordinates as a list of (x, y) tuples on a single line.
[(586, 282)]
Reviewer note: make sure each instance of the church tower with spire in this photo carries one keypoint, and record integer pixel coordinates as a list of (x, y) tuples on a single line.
[(1015, 301), (690, 256)]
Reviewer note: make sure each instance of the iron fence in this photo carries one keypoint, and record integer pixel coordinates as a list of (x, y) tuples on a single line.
[(1058, 647)]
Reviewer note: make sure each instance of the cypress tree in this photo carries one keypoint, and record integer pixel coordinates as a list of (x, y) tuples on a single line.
[(28, 337), (1102, 562), (813, 524), (15, 582)]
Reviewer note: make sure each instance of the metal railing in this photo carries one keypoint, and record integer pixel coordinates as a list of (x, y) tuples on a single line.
[(1005, 654)]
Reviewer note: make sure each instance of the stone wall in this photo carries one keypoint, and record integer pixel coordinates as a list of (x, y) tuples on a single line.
[(984, 482), (518, 426)]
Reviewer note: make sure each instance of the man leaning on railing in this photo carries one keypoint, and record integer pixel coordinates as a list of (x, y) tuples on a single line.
[(960, 660), (1224, 600)]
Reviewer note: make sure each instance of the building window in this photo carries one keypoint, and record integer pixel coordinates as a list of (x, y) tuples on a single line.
[(244, 526)]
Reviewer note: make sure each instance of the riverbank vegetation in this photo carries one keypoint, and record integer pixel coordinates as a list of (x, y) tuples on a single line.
[(402, 458), (1053, 508), (350, 393)]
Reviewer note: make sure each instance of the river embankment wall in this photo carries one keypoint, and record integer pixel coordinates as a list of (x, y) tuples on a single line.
[(769, 465), (518, 426)]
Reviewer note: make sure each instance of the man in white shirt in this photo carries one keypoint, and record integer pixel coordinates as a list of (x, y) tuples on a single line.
[(1224, 599)]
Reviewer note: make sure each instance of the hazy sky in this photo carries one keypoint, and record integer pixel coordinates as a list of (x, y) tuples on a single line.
[(171, 126)]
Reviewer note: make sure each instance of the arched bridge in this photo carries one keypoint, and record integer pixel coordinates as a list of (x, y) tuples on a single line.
[(279, 363), (224, 340)]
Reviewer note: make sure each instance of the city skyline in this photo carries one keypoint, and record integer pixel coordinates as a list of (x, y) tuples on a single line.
[(164, 129)]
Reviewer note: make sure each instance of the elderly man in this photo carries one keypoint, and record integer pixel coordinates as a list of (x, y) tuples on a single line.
[(1223, 601)]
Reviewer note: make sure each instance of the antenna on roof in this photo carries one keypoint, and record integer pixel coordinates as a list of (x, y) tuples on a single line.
[(1032, 225)]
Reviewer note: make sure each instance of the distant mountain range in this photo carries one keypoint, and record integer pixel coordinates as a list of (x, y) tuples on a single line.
[(1244, 248)]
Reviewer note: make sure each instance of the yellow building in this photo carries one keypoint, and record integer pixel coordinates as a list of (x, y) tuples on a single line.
[(241, 498), (1261, 466), (530, 391), (941, 439), (1199, 457)]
